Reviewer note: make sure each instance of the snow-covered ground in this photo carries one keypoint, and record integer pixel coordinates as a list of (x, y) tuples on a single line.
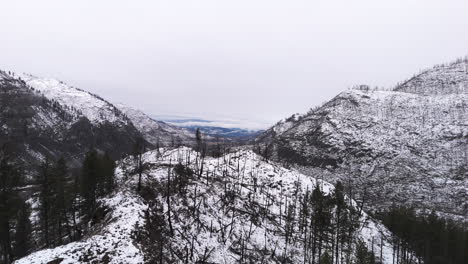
[(205, 216)]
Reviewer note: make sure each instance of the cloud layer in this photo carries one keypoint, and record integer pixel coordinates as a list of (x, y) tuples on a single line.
[(251, 60)]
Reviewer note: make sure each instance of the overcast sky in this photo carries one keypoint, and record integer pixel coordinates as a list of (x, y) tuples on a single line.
[(257, 61)]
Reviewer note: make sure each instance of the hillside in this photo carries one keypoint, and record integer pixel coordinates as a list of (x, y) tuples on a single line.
[(407, 146), (155, 131), (46, 118), (230, 209), (94, 108)]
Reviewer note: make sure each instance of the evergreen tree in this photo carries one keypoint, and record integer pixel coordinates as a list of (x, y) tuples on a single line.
[(198, 138), (10, 177), (304, 212), (45, 200), (97, 180), (74, 205), (108, 170), (138, 150), (363, 255), (321, 219), (23, 231), (341, 219), (89, 183), (153, 234), (60, 200), (433, 239), (289, 223), (326, 258)]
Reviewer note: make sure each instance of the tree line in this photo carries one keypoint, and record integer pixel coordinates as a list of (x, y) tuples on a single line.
[(65, 202), (327, 225), (433, 239)]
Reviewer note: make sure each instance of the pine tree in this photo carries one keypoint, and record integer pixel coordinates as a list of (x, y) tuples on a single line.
[(60, 201), (433, 239), (108, 171), (153, 234), (10, 177), (97, 180), (289, 222), (138, 150), (326, 258), (45, 200), (198, 138), (23, 231), (363, 255), (340, 213), (73, 210), (89, 183), (321, 218)]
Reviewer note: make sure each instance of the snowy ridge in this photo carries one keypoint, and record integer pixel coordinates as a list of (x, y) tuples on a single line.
[(96, 109), (286, 124), (451, 78), (277, 187), (59, 119), (407, 146), (154, 131), (261, 190)]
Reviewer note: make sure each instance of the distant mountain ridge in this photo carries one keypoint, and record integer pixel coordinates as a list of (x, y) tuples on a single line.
[(223, 129)]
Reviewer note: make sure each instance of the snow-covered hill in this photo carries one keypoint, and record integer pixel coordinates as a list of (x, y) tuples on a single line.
[(405, 146), (157, 131), (93, 107), (98, 111), (46, 118), (451, 78), (235, 208)]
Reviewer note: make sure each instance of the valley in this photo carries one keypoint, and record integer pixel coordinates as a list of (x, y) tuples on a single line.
[(319, 187)]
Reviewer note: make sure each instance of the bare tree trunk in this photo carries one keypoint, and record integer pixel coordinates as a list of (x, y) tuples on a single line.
[(168, 199)]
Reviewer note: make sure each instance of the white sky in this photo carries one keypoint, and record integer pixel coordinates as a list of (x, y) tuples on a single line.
[(251, 60)]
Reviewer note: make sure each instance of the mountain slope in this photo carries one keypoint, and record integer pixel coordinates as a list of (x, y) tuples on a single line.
[(45, 118), (405, 146), (237, 202), (157, 132), (94, 108), (448, 78)]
